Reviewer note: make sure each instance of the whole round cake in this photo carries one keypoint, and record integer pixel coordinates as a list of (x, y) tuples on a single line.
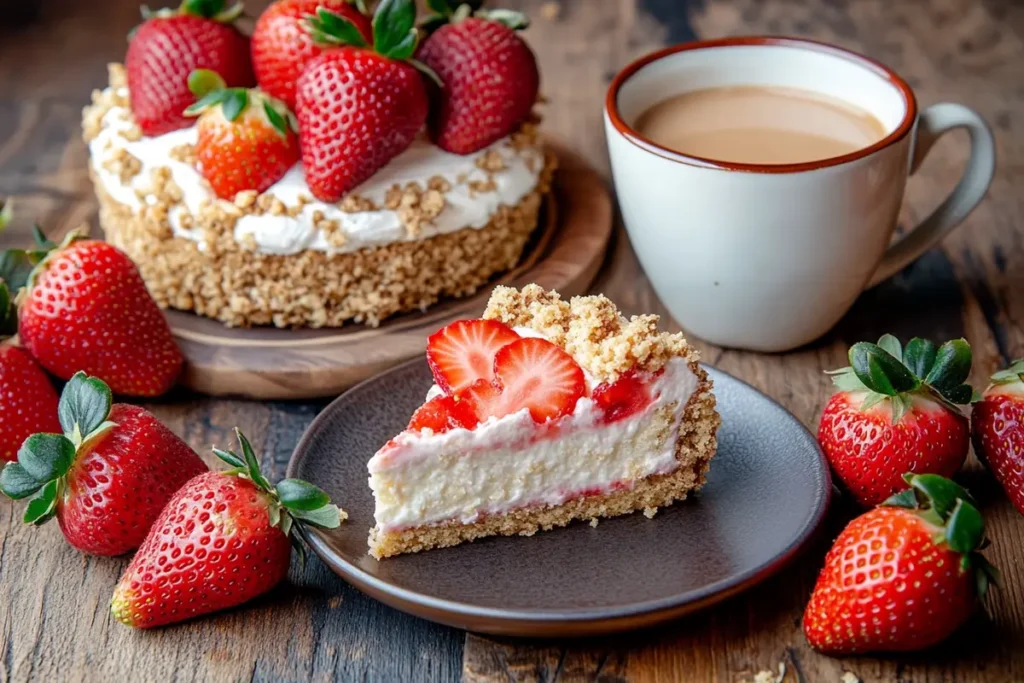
[(347, 186)]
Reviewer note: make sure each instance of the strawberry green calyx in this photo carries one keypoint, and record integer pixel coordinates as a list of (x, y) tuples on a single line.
[(453, 11), (953, 511), (44, 460), (1014, 373), (395, 35), (216, 10), (887, 370), (291, 501), (17, 270), (211, 91)]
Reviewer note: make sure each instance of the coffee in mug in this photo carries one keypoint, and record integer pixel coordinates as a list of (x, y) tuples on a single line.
[(759, 125)]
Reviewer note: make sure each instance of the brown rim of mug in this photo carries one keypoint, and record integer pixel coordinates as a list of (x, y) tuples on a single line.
[(901, 131)]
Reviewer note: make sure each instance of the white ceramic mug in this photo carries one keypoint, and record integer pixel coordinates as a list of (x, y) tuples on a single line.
[(770, 257)]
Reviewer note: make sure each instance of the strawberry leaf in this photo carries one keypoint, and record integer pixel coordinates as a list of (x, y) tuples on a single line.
[(952, 365), (892, 346), (15, 267), (880, 371), (394, 29), (279, 122), (514, 20), (230, 458), (251, 463), (919, 356), (235, 102), (961, 395), (42, 507), (938, 493), (43, 242), (329, 28), (903, 499), (46, 457), (17, 483), (8, 313), (6, 213), (985, 574), (901, 404), (202, 82), (1014, 373), (84, 406), (296, 494), (205, 102), (965, 528), (442, 7), (847, 380), (327, 516)]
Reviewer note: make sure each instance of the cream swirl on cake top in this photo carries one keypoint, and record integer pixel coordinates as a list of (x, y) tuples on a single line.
[(448, 192)]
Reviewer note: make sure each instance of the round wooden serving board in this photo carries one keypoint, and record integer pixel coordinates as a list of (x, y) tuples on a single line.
[(272, 363)]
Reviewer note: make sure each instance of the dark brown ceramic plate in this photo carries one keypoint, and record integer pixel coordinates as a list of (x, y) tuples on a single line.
[(767, 492)]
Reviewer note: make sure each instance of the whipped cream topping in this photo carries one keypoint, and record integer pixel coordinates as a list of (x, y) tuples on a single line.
[(285, 234), (508, 462)]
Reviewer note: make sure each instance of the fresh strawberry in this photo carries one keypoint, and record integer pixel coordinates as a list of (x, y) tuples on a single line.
[(28, 402), (107, 477), (359, 108), (626, 396), (85, 307), (529, 373), (464, 351), (246, 140), (223, 539), (997, 424), (903, 576), (896, 411), (171, 44), (489, 76), (441, 414), (282, 43)]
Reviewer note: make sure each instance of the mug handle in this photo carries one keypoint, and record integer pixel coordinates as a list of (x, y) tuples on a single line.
[(933, 123)]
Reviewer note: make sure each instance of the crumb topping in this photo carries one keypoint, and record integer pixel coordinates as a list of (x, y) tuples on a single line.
[(591, 330)]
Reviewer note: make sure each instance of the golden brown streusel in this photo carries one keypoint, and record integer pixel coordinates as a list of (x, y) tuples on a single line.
[(491, 160), (439, 183), (186, 154), (354, 203), (122, 164), (242, 287), (591, 330)]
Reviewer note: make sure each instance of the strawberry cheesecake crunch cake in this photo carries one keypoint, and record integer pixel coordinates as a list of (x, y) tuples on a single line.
[(543, 412), (336, 190)]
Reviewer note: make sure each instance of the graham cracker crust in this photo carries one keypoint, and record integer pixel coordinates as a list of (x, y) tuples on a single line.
[(695, 446)]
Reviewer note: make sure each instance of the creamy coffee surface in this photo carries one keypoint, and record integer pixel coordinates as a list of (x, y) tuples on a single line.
[(759, 125)]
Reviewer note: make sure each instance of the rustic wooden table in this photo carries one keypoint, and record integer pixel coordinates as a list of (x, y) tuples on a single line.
[(54, 617)]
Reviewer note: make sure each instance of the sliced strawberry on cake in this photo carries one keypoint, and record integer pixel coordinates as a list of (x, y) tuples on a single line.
[(543, 412)]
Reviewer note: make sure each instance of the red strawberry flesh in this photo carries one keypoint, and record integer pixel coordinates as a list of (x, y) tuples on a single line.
[(89, 310), (441, 414), (626, 396), (162, 53), (211, 548), (117, 488), (464, 352), (282, 44), (997, 423), (28, 401), (534, 374), (490, 82)]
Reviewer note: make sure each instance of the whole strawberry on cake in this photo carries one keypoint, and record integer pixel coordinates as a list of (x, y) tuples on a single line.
[(543, 412), (337, 166)]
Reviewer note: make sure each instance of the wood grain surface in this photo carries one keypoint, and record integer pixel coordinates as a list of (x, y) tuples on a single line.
[(565, 253), (54, 621)]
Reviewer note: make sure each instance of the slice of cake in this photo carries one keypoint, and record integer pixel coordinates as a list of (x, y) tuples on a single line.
[(543, 412)]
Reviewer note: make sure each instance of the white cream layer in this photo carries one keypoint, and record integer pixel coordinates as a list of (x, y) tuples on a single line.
[(461, 474), (290, 235)]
